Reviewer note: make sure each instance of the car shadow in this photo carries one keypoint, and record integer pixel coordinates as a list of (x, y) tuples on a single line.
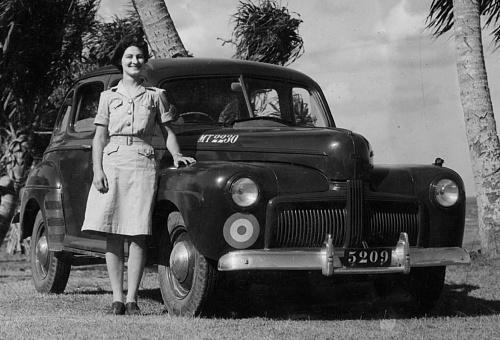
[(151, 294), (457, 300), (298, 299), (341, 302), (353, 301)]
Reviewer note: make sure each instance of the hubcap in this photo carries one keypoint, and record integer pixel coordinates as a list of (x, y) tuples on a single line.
[(182, 267), (42, 255), (179, 262)]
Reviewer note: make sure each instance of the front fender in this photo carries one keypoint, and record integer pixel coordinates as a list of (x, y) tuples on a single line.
[(201, 193), (441, 227)]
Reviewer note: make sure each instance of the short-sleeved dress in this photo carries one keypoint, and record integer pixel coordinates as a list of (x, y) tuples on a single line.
[(128, 161)]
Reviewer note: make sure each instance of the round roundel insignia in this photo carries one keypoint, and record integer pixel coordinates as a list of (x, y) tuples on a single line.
[(241, 230)]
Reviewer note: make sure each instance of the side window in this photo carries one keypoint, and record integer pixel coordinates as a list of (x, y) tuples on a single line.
[(64, 113), (87, 102), (306, 109), (63, 117), (266, 103)]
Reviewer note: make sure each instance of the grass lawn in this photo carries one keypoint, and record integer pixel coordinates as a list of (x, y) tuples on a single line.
[(469, 309)]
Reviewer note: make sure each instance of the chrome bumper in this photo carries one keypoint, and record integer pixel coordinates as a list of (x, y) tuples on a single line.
[(327, 259)]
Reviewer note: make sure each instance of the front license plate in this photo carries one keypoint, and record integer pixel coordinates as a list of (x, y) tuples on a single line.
[(380, 257)]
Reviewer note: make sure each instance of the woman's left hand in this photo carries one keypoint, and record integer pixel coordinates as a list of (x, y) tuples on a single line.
[(178, 158)]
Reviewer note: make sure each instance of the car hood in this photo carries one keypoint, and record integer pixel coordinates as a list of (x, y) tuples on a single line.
[(339, 153)]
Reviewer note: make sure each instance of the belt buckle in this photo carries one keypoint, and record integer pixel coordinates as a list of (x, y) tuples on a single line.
[(130, 140)]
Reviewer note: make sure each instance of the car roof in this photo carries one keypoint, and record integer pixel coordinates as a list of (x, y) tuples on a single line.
[(159, 69)]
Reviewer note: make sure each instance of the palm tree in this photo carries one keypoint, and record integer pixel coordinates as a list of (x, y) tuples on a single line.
[(484, 146), (160, 30), (266, 33), (38, 50), (101, 40)]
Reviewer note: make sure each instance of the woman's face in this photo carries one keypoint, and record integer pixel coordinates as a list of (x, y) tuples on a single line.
[(133, 61)]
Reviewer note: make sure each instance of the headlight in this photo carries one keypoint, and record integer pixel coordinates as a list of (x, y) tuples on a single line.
[(446, 192), (244, 192)]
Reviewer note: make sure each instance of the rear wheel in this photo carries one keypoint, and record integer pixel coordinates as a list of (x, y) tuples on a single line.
[(50, 273), (188, 281)]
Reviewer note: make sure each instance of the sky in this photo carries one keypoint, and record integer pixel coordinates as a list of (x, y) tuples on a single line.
[(382, 72)]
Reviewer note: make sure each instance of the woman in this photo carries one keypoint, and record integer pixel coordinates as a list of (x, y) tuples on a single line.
[(120, 202)]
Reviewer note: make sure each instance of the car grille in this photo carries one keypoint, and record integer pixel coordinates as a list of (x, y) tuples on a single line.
[(353, 222), (308, 227)]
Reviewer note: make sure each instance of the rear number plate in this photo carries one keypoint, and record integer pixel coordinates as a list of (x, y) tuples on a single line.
[(380, 257)]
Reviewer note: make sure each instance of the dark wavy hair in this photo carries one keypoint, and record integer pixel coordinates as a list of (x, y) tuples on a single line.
[(127, 41)]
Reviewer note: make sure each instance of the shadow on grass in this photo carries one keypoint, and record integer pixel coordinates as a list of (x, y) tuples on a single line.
[(151, 294), (147, 294), (90, 292), (456, 300), (350, 301), (301, 300), (302, 303), (355, 301)]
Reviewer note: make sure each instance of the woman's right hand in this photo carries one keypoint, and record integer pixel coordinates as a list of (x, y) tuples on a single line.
[(100, 181)]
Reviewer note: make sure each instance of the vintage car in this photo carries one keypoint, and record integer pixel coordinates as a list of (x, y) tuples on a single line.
[(277, 188)]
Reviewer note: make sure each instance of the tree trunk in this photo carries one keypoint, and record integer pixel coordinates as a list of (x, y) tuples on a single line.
[(484, 145), (159, 28)]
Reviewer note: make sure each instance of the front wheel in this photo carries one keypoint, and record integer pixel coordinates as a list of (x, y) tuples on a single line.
[(188, 281), (50, 274), (422, 288), (425, 286)]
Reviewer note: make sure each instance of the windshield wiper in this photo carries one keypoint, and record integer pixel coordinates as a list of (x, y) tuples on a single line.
[(264, 118)]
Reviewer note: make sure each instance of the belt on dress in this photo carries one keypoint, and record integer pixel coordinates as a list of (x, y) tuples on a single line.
[(129, 140)]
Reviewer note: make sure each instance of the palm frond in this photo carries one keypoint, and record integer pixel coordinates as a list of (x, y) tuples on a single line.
[(267, 33), (440, 19)]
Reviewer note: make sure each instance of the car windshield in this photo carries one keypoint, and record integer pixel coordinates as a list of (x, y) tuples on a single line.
[(230, 101)]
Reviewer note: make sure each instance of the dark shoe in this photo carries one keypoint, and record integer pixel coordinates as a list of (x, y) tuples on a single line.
[(117, 308), (132, 308)]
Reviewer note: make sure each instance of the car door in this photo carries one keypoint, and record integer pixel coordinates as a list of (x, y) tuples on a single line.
[(75, 163)]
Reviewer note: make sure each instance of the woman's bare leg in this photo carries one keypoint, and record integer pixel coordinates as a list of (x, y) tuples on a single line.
[(135, 265), (114, 262)]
